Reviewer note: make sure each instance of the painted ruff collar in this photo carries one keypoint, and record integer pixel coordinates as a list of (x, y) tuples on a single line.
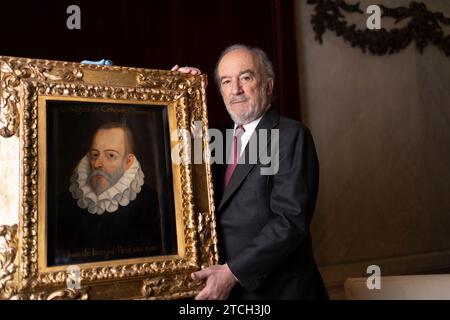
[(122, 193)]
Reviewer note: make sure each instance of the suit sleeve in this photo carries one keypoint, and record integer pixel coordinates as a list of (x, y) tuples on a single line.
[(292, 201)]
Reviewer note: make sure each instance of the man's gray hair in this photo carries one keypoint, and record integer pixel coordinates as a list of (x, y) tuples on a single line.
[(263, 60)]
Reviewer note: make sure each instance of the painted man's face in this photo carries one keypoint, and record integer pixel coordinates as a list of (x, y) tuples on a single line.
[(108, 159)]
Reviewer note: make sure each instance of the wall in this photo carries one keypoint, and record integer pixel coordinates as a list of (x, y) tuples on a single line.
[(382, 130), (9, 181)]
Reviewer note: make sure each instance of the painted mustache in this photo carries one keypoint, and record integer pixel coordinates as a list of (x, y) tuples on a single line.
[(112, 178), (99, 172), (238, 99)]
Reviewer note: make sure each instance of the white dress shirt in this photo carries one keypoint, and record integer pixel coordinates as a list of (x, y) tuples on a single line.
[(249, 129)]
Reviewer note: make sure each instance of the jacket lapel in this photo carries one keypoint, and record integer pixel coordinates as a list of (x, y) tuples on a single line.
[(269, 121)]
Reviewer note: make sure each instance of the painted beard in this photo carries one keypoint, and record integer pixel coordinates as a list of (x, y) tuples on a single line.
[(120, 194), (100, 186)]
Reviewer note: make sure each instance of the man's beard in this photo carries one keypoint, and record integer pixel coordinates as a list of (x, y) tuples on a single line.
[(119, 193), (255, 111), (112, 179)]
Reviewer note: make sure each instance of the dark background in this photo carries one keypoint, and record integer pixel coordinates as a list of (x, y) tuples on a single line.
[(158, 35)]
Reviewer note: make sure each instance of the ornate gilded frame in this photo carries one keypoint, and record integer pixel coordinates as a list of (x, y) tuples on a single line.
[(23, 273)]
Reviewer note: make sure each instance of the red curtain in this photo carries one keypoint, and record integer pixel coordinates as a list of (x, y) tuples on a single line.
[(285, 58), (159, 34)]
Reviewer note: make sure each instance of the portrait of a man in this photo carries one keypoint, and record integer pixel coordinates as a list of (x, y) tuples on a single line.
[(110, 208), (109, 176)]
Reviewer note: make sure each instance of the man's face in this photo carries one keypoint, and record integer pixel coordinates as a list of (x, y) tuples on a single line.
[(107, 158), (243, 89)]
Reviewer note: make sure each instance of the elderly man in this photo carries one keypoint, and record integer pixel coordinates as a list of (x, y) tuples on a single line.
[(110, 213), (263, 220)]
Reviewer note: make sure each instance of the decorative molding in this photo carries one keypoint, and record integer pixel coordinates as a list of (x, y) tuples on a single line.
[(159, 79), (8, 252), (424, 27), (11, 75), (207, 239), (194, 87), (63, 294), (29, 226), (207, 227), (167, 287)]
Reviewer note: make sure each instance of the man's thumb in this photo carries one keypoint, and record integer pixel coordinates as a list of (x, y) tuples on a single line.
[(200, 275)]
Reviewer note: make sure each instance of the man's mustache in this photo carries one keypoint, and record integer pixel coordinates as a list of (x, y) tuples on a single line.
[(239, 98), (100, 172)]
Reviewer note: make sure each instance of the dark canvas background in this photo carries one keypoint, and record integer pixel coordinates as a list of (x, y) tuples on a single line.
[(70, 127)]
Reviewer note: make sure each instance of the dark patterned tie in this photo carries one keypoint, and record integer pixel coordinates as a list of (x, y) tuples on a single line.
[(235, 153)]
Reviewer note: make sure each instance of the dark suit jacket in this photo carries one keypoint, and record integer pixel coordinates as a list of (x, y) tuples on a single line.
[(264, 219)]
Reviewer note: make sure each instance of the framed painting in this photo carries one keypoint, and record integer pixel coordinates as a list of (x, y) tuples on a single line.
[(100, 198)]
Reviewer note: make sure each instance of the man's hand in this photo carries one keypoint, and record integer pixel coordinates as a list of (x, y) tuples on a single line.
[(219, 282), (190, 70)]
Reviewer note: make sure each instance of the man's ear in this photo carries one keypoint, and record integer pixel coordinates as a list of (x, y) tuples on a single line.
[(129, 161), (270, 84)]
